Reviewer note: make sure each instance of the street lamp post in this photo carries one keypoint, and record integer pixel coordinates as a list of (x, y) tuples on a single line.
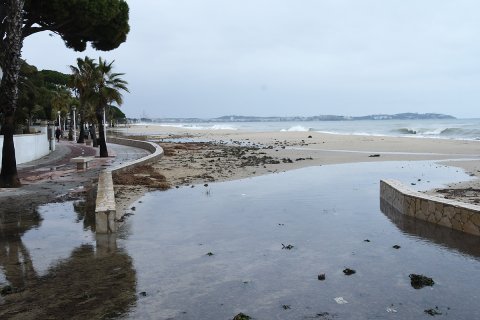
[(74, 109), (59, 123), (104, 127)]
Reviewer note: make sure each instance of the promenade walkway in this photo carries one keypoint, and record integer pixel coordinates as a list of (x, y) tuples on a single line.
[(58, 164), (55, 178)]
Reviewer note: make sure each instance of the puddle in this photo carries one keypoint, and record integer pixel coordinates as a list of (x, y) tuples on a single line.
[(324, 214), (56, 235)]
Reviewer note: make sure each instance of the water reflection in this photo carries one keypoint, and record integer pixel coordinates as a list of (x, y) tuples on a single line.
[(64, 271), (447, 237), (85, 211), (54, 267), (14, 256)]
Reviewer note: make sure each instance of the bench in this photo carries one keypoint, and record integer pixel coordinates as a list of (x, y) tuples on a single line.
[(82, 162)]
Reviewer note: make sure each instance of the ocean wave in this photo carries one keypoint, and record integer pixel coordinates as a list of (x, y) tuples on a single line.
[(405, 131), (213, 127), (458, 129), (223, 127), (297, 129), (189, 126), (440, 132), (461, 132)]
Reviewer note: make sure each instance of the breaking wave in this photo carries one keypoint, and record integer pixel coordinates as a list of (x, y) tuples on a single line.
[(449, 132), (405, 131), (297, 129)]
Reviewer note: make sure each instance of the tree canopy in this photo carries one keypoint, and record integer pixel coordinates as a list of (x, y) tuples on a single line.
[(41, 94), (103, 23)]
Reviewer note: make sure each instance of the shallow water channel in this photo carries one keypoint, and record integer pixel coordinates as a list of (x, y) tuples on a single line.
[(213, 252)]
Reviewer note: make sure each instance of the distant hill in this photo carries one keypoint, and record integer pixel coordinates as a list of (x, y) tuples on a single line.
[(405, 116), (235, 118)]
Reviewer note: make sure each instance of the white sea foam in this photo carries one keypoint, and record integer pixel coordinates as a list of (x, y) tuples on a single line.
[(359, 133), (223, 127), (464, 129), (297, 129), (190, 126), (435, 132), (212, 127)]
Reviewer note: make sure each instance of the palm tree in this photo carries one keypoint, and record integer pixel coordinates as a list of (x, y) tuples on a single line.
[(96, 86), (82, 82), (61, 102), (9, 88), (109, 87)]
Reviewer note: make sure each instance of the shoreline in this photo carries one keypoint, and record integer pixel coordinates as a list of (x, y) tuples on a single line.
[(202, 156)]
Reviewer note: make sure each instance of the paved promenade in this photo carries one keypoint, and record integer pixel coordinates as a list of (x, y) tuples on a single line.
[(55, 178), (66, 150)]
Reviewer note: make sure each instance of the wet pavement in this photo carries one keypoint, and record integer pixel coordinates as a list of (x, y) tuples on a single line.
[(52, 188), (214, 252), (66, 150)]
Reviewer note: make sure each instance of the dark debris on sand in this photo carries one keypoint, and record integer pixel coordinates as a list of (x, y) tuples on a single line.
[(349, 272), (242, 316), (433, 312), (470, 195), (419, 281)]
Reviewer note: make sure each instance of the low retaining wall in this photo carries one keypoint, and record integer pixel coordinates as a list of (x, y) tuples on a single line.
[(28, 147), (452, 214), (105, 210), (106, 215), (155, 149)]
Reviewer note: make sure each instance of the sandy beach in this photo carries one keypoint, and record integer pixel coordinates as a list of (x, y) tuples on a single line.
[(203, 156)]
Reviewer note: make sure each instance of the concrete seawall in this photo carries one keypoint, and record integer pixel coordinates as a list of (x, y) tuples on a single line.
[(29, 147), (106, 215), (448, 213), (155, 149)]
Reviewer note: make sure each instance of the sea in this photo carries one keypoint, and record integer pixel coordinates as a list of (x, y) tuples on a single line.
[(461, 129)]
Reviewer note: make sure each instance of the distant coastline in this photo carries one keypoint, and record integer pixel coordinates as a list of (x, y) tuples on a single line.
[(236, 118), (401, 125)]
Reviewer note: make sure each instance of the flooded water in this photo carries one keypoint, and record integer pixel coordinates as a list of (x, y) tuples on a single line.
[(213, 252)]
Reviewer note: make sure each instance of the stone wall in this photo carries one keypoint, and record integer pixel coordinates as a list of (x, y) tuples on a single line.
[(449, 213), (106, 215)]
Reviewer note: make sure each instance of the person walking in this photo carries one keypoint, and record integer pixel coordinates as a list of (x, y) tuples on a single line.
[(58, 133)]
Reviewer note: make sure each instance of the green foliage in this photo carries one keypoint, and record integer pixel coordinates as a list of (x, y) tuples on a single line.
[(54, 77), (82, 82), (116, 114), (42, 94), (104, 23), (109, 84), (96, 86)]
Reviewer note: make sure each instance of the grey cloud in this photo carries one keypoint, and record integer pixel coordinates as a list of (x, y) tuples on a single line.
[(278, 57)]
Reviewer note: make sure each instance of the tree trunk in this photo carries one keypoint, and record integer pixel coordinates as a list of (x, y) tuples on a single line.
[(101, 133), (81, 135), (9, 175), (9, 91)]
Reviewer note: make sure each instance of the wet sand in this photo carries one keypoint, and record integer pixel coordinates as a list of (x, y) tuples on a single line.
[(203, 156)]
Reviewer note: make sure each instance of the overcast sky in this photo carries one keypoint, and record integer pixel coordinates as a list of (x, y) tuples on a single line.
[(208, 58)]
